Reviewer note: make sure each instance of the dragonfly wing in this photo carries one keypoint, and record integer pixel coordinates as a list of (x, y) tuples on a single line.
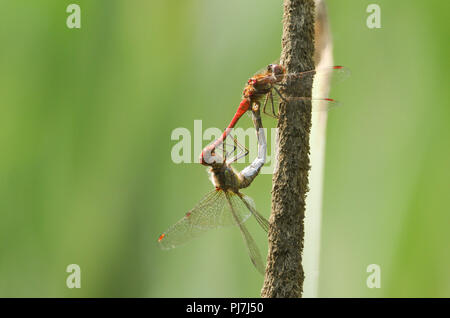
[(235, 205), (317, 104), (333, 74), (210, 213), (250, 204)]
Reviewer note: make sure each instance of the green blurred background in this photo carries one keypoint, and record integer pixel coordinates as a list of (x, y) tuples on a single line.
[(86, 175)]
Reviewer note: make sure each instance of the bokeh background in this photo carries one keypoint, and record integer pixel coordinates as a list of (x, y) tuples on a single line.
[(86, 175)]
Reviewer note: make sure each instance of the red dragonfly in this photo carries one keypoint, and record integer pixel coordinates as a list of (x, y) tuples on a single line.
[(264, 88), (225, 205)]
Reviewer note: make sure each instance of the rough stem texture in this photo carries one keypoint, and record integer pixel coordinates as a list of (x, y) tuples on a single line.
[(284, 272)]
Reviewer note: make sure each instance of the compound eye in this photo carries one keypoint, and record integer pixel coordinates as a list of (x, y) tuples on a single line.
[(278, 70)]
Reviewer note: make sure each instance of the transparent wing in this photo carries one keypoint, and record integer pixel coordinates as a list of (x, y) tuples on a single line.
[(210, 213), (235, 204), (271, 102), (334, 74), (250, 204)]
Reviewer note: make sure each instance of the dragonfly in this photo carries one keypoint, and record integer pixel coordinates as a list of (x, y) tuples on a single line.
[(265, 87), (225, 205)]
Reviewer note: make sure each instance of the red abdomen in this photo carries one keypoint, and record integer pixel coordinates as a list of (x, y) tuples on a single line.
[(243, 107)]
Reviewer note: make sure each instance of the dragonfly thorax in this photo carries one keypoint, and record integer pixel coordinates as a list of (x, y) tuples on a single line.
[(257, 90), (262, 83), (225, 177)]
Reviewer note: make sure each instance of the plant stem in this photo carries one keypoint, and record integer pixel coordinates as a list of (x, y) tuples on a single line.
[(284, 272)]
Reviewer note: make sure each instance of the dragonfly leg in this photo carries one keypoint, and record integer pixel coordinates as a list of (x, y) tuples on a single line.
[(279, 94), (269, 95), (265, 103), (244, 151), (231, 151), (273, 106)]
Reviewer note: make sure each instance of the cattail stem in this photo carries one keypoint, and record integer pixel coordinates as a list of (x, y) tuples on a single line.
[(284, 272)]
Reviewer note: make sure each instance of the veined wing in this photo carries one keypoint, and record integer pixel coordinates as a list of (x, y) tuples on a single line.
[(250, 204), (210, 213), (235, 205), (333, 74), (271, 102)]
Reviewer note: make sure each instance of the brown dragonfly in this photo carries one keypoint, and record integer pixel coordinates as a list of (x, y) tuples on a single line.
[(225, 205)]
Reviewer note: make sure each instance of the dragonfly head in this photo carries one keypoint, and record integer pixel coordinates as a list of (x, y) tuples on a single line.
[(209, 157), (277, 71)]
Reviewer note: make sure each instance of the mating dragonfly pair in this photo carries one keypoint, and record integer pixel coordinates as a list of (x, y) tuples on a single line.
[(226, 205)]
